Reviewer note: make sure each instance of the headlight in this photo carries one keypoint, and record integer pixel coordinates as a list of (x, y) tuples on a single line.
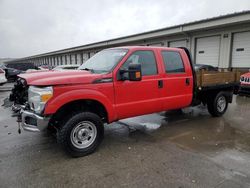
[(38, 97)]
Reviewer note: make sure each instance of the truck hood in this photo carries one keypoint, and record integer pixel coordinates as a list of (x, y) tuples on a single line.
[(246, 75), (59, 77)]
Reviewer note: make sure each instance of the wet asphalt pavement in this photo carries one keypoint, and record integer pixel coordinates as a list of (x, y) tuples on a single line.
[(169, 149)]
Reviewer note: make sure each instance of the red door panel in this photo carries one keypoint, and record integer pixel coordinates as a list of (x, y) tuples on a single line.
[(135, 98), (178, 83)]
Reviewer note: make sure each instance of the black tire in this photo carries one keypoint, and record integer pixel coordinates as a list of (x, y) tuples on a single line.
[(66, 134), (214, 107)]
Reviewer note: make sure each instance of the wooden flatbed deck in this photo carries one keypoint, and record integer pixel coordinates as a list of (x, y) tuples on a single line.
[(215, 78)]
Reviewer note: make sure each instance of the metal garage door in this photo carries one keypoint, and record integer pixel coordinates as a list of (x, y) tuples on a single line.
[(155, 44), (241, 50), (85, 57), (79, 59), (208, 50), (179, 43), (91, 54), (68, 59), (73, 59)]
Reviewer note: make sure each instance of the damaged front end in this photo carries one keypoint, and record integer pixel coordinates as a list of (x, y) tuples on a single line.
[(19, 95), (27, 118)]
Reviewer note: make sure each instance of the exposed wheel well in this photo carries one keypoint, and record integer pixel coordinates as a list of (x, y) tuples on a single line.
[(79, 106)]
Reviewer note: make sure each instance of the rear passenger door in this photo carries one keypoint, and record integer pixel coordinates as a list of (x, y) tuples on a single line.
[(177, 80)]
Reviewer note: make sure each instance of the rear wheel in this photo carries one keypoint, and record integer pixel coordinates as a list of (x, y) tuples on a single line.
[(81, 134), (217, 105)]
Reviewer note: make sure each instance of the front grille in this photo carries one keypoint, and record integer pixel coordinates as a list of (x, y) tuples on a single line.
[(244, 90), (245, 79)]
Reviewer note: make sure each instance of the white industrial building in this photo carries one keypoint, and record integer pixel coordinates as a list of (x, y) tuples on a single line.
[(222, 41)]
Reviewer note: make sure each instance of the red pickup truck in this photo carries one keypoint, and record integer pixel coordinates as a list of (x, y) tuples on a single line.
[(114, 84)]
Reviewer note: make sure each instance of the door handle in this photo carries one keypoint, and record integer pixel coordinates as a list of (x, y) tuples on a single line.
[(160, 83), (187, 81)]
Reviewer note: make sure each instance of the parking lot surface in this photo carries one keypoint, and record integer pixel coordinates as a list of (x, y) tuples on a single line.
[(185, 148)]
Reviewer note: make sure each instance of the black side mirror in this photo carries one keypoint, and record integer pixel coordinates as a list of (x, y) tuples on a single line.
[(134, 72)]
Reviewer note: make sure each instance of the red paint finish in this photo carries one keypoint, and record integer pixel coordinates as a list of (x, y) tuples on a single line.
[(59, 77), (246, 81), (176, 93), (122, 99), (133, 98), (102, 93)]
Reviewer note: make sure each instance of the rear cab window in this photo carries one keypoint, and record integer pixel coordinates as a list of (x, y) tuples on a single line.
[(173, 62)]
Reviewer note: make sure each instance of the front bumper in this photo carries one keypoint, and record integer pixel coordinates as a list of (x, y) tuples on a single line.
[(244, 89), (30, 121)]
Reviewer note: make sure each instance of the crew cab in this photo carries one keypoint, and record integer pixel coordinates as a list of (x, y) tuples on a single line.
[(114, 84)]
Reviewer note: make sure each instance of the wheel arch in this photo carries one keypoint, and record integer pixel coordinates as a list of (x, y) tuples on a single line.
[(82, 105), (78, 100)]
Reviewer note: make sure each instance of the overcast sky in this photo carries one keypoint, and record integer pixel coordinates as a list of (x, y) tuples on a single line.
[(29, 27)]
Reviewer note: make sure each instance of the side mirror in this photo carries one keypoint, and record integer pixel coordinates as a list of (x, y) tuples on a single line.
[(134, 72)]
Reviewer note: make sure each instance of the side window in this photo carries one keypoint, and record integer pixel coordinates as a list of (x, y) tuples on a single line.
[(146, 59), (173, 62)]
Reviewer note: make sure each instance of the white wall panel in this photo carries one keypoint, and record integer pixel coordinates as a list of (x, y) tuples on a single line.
[(179, 43)]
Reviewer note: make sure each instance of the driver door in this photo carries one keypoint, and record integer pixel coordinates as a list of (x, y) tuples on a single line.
[(133, 98)]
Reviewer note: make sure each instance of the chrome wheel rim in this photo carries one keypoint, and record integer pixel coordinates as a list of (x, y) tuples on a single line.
[(83, 134), (221, 103)]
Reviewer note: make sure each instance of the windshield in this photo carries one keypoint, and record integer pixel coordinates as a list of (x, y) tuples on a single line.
[(104, 61)]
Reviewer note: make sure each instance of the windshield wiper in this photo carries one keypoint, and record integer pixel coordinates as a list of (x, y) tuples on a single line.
[(87, 69)]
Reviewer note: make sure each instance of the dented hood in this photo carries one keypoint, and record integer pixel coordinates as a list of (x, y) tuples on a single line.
[(59, 77)]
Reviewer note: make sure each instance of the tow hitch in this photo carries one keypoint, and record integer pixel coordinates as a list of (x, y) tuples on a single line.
[(17, 113), (19, 121), (29, 120)]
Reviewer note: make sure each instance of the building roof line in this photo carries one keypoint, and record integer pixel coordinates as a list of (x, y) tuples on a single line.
[(142, 35)]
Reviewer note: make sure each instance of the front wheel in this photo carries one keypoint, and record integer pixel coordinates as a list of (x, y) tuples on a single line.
[(217, 105), (81, 134)]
